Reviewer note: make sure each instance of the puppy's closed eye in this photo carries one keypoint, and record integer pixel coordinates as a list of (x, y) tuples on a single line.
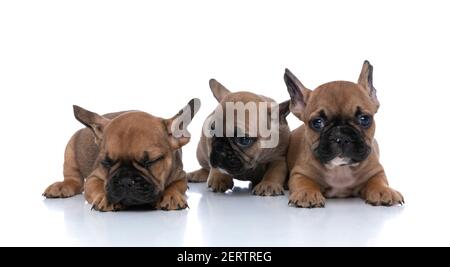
[(107, 162), (146, 162)]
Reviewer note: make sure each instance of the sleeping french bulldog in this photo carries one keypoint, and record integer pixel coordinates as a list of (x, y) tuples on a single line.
[(246, 138), (128, 159), (334, 153)]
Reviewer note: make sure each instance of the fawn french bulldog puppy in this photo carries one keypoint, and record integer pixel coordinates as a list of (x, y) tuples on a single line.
[(127, 158), (334, 153), (238, 147)]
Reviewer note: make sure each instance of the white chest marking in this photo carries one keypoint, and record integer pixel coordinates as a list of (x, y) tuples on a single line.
[(340, 178), (337, 161)]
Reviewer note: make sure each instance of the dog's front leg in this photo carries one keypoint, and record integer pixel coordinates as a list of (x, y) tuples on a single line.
[(174, 196), (273, 180), (95, 194)]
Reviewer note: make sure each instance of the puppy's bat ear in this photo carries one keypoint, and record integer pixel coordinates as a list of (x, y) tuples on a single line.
[(366, 81), (91, 120), (177, 125), (283, 109), (219, 91), (298, 92)]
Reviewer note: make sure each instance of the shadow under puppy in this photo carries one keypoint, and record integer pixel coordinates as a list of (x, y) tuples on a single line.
[(334, 153), (239, 149), (128, 158)]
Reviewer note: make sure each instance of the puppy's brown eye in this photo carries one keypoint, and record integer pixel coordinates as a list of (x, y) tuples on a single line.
[(107, 163)]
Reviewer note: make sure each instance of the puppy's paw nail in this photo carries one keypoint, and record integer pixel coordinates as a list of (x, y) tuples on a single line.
[(383, 196), (307, 199)]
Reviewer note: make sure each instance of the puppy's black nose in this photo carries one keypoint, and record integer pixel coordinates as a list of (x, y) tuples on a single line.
[(127, 182), (342, 140), (342, 136)]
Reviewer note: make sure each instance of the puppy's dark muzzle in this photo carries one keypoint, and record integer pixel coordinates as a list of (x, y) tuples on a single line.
[(344, 138), (342, 141), (128, 187), (222, 156)]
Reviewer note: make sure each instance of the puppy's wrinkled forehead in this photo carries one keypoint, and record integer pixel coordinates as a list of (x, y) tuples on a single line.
[(250, 103), (132, 133), (339, 98), (242, 96)]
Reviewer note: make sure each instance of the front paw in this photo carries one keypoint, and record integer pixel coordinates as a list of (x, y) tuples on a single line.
[(100, 203), (307, 199), (268, 189), (198, 176), (62, 189), (383, 196), (172, 201), (220, 183)]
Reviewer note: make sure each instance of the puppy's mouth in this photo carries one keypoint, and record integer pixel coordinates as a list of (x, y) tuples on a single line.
[(341, 161), (341, 146), (132, 194), (129, 188), (225, 159)]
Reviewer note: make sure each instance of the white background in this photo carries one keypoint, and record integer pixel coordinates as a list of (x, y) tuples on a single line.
[(157, 55)]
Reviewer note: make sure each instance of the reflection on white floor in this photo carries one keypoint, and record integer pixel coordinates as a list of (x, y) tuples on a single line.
[(233, 219)]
